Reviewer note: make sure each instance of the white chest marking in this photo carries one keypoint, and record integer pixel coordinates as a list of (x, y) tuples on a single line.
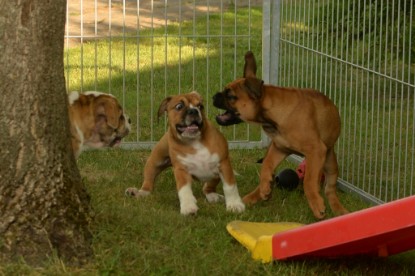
[(203, 164)]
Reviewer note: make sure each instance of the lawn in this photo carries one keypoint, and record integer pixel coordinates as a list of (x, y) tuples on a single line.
[(150, 237)]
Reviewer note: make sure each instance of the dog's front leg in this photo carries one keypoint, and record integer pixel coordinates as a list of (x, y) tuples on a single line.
[(272, 159), (230, 189), (184, 188), (158, 161)]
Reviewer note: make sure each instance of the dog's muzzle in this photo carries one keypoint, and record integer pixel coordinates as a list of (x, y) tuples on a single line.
[(228, 118), (191, 124)]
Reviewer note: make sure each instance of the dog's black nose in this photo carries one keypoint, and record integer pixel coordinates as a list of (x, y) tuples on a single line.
[(192, 111), (218, 100)]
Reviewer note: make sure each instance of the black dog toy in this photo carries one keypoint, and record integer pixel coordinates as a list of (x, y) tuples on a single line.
[(287, 179)]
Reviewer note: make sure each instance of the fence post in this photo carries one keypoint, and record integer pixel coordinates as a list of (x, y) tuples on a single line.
[(270, 47)]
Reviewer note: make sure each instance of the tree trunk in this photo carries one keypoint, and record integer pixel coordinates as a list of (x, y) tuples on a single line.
[(44, 207)]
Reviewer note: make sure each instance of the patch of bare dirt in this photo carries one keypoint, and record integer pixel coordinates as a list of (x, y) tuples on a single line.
[(102, 18)]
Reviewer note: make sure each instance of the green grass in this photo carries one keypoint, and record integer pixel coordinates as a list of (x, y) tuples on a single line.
[(150, 237)]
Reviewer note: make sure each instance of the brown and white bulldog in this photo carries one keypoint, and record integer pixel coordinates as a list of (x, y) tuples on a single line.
[(97, 120), (195, 149), (300, 121)]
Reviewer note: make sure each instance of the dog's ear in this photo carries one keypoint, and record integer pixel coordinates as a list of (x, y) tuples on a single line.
[(254, 87), (250, 65), (163, 106), (108, 112)]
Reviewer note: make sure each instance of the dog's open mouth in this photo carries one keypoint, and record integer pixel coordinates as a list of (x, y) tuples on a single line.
[(115, 142), (228, 118), (191, 129)]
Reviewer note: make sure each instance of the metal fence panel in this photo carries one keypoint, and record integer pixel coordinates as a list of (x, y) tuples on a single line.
[(361, 54), (142, 51), (358, 52)]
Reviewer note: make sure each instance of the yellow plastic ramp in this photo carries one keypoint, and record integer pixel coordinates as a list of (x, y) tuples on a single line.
[(257, 236)]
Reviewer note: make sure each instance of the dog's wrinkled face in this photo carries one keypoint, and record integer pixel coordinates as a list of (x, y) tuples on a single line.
[(240, 98), (111, 123), (185, 115), (97, 120)]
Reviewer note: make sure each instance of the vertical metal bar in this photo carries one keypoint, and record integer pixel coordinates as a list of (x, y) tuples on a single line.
[(359, 94), (296, 49), (249, 23), (379, 141), (221, 45), (271, 52), (67, 71), (412, 169), (165, 55), (152, 73), (346, 151), (138, 121), (353, 81), (248, 127), (283, 58), (95, 44), (398, 127), (336, 70), (194, 45), (289, 49), (266, 40), (408, 99), (384, 110), (109, 45), (316, 71), (207, 55), (369, 132), (123, 53), (344, 53), (180, 46), (82, 44), (303, 51), (235, 56), (329, 50), (392, 91), (165, 47), (322, 50)]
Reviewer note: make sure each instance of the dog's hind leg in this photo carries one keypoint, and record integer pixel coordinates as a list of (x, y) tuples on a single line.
[(331, 172), (209, 189), (315, 161), (271, 160)]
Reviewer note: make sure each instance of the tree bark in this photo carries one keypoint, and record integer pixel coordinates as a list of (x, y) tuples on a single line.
[(44, 207)]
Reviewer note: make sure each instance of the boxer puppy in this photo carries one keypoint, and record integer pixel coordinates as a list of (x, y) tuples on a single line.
[(97, 120), (195, 149), (300, 121)]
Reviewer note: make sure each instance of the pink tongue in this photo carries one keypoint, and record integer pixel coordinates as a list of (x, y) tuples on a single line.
[(192, 128)]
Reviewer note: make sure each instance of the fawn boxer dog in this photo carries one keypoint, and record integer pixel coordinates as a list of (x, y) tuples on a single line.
[(97, 120), (300, 121), (195, 149)]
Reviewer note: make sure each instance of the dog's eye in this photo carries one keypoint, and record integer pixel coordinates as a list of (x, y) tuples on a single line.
[(179, 106), (200, 106), (231, 97)]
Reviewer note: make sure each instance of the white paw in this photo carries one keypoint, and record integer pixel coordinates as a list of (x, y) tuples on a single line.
[(214, 197), (188, 208), (236, 206), (136, 192)]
